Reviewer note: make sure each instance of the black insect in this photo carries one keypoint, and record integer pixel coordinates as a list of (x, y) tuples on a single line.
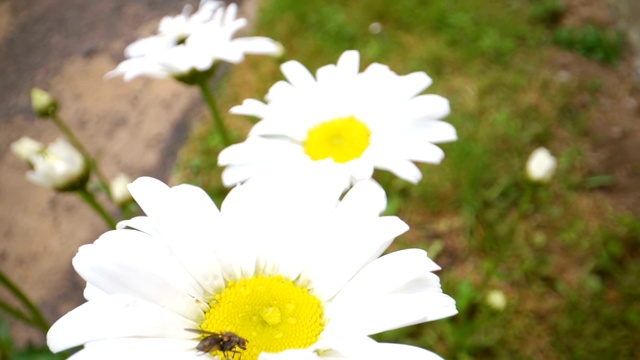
[(226, 342)]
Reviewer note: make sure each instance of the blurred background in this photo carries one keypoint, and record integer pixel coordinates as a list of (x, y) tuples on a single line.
[(539, 271)]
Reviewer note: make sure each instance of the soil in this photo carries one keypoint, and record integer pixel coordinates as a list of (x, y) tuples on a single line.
[(66, 46)]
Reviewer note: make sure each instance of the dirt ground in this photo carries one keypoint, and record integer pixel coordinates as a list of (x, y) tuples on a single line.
[(66, 46)]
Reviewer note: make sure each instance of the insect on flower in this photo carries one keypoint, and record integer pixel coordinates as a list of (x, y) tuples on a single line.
[(225, 342)]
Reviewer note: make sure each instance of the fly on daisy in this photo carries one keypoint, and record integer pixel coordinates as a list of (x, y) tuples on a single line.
[(284, 270)]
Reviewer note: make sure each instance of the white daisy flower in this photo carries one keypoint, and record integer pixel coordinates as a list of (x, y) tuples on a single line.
[(59, 166), (207, 43), (356, 121), (285, 270)]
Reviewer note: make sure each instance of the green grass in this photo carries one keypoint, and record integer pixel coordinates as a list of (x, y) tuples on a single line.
[(562, 257)]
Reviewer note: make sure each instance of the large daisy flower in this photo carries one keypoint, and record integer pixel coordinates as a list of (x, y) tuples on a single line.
[(355, 120), (284, 270), (195, 45)]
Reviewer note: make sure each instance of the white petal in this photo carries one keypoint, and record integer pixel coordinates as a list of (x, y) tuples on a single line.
[(147, 45), (131, 262), (402, 351), (421, 151), (404, 169), (297, 74), (139, 348), (116, 316), (366, 198), (258, 45), (250, 107), (358, 242), (349, 62), (187, 219), (427, 106), (433, 131), (302, 354), (413, 84), (402, 284)]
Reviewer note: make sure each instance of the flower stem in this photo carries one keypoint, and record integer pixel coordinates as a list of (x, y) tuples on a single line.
[(78, 145), (91, 200), (36, 319), (211, 102)]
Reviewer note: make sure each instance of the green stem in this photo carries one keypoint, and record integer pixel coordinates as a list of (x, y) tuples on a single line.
[(91, 200), (37, 319), (78, 145), (15, 313), (211, 102)]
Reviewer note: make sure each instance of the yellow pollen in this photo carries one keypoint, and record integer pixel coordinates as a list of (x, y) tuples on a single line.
[(342, 139), (272, 313)]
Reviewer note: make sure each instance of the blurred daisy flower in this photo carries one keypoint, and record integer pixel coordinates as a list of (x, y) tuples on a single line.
[(174, 30), (188, 47), (541, 166), (284, 270), (58, 166), (356, 121)]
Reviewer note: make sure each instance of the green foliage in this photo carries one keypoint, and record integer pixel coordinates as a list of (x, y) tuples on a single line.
[(556, 253), (547, 12), (9, 352), (592, 42)]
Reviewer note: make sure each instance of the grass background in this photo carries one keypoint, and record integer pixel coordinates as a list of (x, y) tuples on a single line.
[(565, 261)]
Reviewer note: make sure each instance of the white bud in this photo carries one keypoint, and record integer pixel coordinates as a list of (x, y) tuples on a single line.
[(119, 191), (26, 147), (375, 28), (496, 299), (541, 165), (60, 167), (42, 103)]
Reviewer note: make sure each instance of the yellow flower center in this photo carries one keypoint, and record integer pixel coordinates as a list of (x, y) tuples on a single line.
[(272, 313), (342, 139)]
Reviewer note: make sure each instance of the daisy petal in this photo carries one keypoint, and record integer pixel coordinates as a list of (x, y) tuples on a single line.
[(139, 348), (401, 351), (297, 74), (159, 278), (396, 282), (404, 169), (117, 316)]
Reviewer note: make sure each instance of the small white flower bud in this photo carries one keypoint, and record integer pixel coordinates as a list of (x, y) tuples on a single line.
[(119, 191), (541, 165), (496, 299), (375, 28), (42, 103)]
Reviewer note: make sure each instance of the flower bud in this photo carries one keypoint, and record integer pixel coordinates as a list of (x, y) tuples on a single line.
[(541, 165), (496, 299), (42, 103), (60, 167), (25, 148), (119, 191)]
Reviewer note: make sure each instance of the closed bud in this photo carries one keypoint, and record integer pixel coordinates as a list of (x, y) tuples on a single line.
[(541, 165), (496, 299), (119, 191), (42, 103)]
